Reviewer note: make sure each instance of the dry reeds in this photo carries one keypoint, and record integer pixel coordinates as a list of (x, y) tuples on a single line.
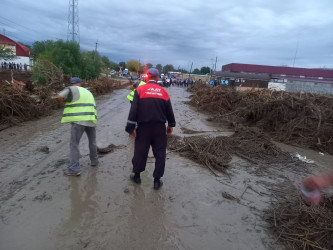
[(298, 225), (298, 118)]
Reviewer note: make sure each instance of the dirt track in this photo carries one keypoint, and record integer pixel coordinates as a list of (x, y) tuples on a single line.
[(102, 209)]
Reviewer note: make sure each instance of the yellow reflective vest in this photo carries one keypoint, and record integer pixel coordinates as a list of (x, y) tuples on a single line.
[(130, 96), (83, 109)]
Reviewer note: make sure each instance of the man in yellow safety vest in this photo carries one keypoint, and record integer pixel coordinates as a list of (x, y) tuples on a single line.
[(80, 111), (130, 96)]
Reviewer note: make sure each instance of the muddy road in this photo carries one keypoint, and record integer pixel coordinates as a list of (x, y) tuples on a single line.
[(43, 209)]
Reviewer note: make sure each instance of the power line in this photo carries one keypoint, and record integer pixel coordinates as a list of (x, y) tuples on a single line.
[(21, 25), (27, 34), (24, 31), (12, 36)]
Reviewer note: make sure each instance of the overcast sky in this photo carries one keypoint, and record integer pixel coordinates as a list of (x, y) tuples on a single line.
[(265, 32)]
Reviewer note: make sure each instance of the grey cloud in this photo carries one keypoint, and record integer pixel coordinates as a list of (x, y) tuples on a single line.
[(179, 32)]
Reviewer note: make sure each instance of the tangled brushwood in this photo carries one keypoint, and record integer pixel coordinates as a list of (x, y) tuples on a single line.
[(216, 153), (299, 118), (102, 86), (298, 225), (18, 105)]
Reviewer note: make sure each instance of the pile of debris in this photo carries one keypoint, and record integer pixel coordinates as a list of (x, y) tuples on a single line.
[(51, 74), (22, 101), (298, 118), (17, 106), (103, 85), (298, 225), (216, 153)]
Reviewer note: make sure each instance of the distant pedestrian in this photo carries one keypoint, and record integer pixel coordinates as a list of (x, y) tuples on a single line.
[(150, 109), (80, 111)]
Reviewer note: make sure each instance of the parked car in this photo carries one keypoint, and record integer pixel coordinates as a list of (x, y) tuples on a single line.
[(160, 82), (126, 72), (132, 78)]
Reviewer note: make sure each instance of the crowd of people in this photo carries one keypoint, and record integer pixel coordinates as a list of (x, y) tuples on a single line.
[(14, 66), (167, 82)]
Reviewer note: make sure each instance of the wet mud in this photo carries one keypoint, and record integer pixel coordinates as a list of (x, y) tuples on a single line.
[(43, 209)]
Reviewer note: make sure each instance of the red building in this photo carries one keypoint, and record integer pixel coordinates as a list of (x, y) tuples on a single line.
[(279, 71), (16, 47), (289, 79)]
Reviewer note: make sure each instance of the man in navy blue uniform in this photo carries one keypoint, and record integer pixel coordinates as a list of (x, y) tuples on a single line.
[(150, 109)]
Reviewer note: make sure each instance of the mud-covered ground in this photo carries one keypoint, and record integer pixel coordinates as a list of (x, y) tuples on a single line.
[(43, 209)]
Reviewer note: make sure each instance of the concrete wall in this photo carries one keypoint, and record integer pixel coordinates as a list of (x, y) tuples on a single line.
[(204, 78), (277, 86), (312, 87)]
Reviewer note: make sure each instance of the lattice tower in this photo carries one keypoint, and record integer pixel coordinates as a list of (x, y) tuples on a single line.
[(73, 33)]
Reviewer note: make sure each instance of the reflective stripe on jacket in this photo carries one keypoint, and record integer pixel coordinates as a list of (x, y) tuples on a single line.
[(130, 96), (151, 104), (83, 109)]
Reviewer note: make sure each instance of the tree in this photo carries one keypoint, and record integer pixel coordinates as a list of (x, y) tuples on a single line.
[(196, 71), (159, 68), (122, 65), (184, 71), (134, 66), (114, 66), (6, 53), (90, 65), (205, 70), (149, 65), (105, 62), (40, 47), (65, 55), (167, 68)]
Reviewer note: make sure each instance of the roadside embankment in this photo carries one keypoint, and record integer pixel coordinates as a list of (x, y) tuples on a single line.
[(18, 104), (303, 119)]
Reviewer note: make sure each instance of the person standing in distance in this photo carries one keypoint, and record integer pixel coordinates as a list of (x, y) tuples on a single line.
[(150, 109), (80, 111)]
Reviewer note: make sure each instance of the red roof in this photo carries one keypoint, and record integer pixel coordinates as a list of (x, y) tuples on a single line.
[(21, 50), (290, 71)]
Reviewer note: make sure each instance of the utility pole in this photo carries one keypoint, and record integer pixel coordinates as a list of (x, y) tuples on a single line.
[(190, 70), (95, 50), (215, 64), (211, 68), (295, 53)]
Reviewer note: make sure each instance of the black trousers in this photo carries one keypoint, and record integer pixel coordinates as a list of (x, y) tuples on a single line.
[(147, 134)]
